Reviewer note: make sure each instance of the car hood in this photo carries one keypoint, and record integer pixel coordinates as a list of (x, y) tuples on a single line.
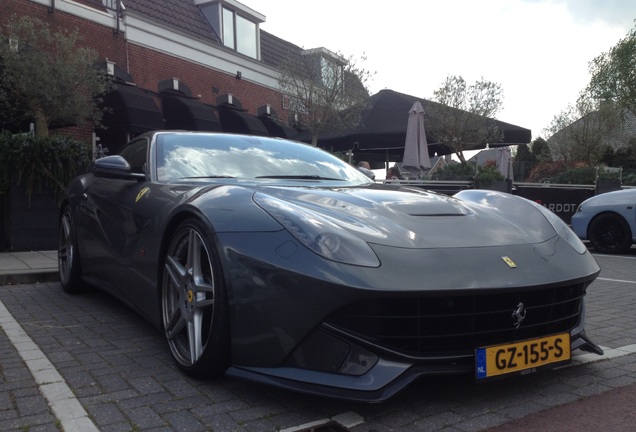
[(415, 218), (619, 197)]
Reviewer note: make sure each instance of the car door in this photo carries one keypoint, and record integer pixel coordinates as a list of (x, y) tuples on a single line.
[(107, 212)]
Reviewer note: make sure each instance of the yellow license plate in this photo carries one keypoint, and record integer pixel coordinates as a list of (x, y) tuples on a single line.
[(522, 356)]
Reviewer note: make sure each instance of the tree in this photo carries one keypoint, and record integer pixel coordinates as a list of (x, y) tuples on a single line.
[(624, 156), (541, 150), (328, 90), (560, 143), (465, 115), (524, 161), (524, 154), (613, 76), (577, 133), (46, 77)]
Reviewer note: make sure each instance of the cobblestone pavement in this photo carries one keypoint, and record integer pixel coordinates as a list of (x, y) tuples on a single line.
[(87, 361)]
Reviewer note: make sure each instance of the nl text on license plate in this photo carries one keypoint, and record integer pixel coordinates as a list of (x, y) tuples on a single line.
[(530, 354)]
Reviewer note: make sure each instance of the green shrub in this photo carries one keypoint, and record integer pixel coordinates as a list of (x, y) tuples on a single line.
[(36, 163), (486, 175), (629, 177), (456, 171), (583, 175)]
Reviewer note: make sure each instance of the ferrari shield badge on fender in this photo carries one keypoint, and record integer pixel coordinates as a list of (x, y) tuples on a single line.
[(508, 261), (141, 193)]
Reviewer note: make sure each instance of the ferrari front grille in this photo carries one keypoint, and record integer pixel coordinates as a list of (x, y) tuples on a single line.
[(435, 324)]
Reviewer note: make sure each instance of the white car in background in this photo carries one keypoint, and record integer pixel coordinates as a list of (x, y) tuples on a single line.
[(608, 221)]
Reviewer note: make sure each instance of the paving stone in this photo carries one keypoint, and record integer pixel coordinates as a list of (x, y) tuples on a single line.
[(181, 388), (251, 414), (118, 427), (481, 422), (146, 385), (511, 412), (214, 409), (223, 422), (106, 414), (184, 421), (120, 368), (146, 417)]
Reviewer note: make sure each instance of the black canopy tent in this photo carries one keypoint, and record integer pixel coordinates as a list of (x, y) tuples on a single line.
[(130, 111), (381, 132), (189, 114), (235, 120), (274, 126)]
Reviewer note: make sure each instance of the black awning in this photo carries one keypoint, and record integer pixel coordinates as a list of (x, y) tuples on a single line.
[(512, 134), (189, 114), (276, 128), (383, 124), (235, 121), (132, 110)]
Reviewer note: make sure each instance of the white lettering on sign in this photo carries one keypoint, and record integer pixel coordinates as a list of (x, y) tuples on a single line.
[(561, 208)]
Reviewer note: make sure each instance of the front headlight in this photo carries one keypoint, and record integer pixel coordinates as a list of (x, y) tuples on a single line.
[(318, 233), (562, 229)]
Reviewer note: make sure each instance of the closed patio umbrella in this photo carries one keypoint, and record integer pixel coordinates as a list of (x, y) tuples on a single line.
[(504, 161), (415, 146)]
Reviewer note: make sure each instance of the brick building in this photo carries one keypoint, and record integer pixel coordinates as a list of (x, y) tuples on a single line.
[(207, 65), (177, 64)]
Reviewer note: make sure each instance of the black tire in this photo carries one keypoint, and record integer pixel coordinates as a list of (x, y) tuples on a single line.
[(193, 303), (68, 258), (610, 233)]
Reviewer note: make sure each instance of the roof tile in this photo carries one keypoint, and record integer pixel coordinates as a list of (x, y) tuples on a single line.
[(187, 18), (182, 15)]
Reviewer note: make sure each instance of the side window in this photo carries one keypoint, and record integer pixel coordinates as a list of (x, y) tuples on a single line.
[(136, 153)]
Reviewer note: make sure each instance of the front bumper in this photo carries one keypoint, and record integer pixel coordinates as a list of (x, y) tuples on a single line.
[(383, 380), (281, 295)]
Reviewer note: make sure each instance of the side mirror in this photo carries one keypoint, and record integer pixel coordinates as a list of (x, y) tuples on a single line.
[(115, 167)]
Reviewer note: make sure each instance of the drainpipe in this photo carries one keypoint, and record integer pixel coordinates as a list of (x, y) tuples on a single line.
[(52, 7), (117, 15)]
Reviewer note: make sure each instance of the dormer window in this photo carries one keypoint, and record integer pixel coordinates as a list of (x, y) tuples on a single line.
[(239, 33), (328, 66), (330, 72), (236, 24)]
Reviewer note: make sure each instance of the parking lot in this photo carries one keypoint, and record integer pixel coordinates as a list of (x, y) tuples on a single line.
[(87, 362)]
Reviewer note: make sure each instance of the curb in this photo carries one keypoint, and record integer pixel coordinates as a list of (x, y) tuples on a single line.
[(29, 277)]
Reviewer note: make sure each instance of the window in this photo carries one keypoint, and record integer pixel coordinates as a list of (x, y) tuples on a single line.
[(329, 72), (228, 28), (293, 103), (235, 24), (327, 66), (111, 5), (245, 36), (239, 33)]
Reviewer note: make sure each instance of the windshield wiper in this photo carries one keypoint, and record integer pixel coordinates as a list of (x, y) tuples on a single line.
[(206, 177), (299, 177)]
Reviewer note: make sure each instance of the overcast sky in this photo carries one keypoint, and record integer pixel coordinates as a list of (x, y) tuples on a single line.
[(537, 50)]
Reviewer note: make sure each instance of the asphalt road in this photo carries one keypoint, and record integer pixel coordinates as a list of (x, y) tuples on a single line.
[(88, 362)]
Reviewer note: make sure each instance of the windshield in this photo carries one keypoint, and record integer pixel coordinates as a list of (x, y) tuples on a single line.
[(182, 156)]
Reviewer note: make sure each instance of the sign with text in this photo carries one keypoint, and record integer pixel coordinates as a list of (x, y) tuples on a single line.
[(562, 201)]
